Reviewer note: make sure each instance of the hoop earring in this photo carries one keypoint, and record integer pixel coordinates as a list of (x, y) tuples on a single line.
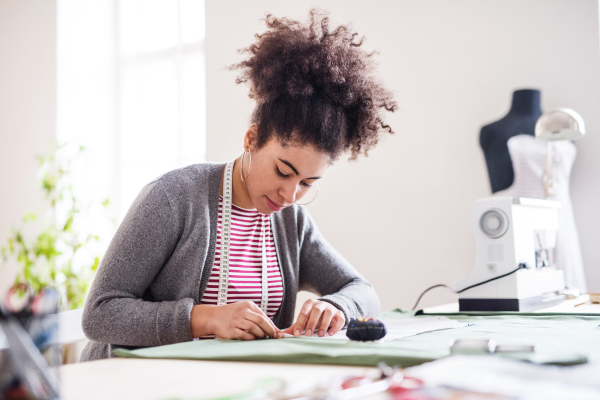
[(242, 166), (303, 204)]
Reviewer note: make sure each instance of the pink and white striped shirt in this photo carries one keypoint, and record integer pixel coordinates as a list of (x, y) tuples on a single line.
[(245, 261)]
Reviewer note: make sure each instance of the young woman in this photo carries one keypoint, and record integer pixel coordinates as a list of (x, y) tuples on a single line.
[(223, 249)]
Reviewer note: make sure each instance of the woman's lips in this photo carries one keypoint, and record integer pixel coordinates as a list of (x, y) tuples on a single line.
[(272, 205)]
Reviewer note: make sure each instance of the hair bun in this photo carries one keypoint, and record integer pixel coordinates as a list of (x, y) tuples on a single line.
[(305, 66)]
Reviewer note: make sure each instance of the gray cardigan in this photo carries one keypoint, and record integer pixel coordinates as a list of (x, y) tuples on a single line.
[(159, 261)]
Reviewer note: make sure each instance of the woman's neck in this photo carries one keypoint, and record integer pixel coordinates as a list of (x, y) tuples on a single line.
[(240, 198)]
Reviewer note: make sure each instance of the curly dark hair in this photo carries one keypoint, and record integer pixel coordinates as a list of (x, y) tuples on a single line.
[(313, 85)]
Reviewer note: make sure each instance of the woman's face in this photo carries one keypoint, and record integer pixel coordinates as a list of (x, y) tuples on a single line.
[(281, 175)]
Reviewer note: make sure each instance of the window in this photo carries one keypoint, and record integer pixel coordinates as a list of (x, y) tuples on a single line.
[(131, 89), (161, 100)]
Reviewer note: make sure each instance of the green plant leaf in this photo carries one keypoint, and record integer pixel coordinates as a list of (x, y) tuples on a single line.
[(48, 256), (29, 217), (96, 264), (68, 224)]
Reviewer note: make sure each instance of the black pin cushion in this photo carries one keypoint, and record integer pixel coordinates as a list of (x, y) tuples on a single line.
[(365, 330)]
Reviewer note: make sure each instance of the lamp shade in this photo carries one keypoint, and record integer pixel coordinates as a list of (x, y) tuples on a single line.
[(559, 124)]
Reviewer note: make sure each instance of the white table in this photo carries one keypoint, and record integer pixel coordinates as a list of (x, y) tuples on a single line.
[(189, 379), (129, 378)]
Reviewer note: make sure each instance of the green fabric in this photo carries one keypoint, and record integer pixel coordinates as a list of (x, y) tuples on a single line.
[(564, 339)]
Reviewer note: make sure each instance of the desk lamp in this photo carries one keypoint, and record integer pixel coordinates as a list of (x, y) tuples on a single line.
[(554, 125)]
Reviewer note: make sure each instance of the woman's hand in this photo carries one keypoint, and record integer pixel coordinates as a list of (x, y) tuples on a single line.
[(243, 320), (316, 317)]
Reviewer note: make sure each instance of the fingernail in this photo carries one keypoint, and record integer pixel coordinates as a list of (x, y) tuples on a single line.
[(331, 333), (280, 334), (321, 332), (297, 332), (309, 332)]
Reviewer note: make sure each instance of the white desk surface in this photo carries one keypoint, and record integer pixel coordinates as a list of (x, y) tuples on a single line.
[(131, 378), (128, 378)]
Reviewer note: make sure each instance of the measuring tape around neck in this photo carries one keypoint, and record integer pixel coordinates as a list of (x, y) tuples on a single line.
[(226, 244)]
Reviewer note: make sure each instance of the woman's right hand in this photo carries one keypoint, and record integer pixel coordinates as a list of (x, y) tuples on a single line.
[(243, 320)]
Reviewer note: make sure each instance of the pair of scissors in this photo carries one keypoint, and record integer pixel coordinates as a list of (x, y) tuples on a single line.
[(21, 299), (36, 312), (392, 381)]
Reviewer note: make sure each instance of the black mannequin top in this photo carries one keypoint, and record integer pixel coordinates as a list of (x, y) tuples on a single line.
[(524, 113)]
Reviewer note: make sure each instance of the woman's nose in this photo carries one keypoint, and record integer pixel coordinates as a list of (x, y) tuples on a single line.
[(289, 193)]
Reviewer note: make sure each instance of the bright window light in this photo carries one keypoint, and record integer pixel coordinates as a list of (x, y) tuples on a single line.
[(131, 89)]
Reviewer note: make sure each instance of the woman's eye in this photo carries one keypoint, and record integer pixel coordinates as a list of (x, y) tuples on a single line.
[(285, 176), (280, 174)]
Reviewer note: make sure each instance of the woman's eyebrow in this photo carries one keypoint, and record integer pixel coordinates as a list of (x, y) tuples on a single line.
[(289, 164)]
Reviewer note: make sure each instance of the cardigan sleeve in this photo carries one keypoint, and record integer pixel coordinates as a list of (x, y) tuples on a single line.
[(115, 311), (325, 272)]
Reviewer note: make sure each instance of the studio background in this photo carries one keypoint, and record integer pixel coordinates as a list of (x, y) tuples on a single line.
[(401, 215)]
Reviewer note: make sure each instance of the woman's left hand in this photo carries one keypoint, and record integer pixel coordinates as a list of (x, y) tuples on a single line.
[(316, 317)]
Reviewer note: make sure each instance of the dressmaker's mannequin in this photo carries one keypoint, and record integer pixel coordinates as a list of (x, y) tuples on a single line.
[(516, 163), (520, 120)]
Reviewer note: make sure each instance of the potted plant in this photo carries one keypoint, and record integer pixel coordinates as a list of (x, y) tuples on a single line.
[(62, 253)]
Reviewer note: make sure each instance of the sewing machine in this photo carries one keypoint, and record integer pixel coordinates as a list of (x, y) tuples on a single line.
[(513, 233)]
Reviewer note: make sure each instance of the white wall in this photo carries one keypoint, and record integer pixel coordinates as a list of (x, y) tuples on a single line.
[(401, 215), (27, 107)]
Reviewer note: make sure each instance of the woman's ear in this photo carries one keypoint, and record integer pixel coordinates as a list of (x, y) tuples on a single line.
[(251, 137)]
